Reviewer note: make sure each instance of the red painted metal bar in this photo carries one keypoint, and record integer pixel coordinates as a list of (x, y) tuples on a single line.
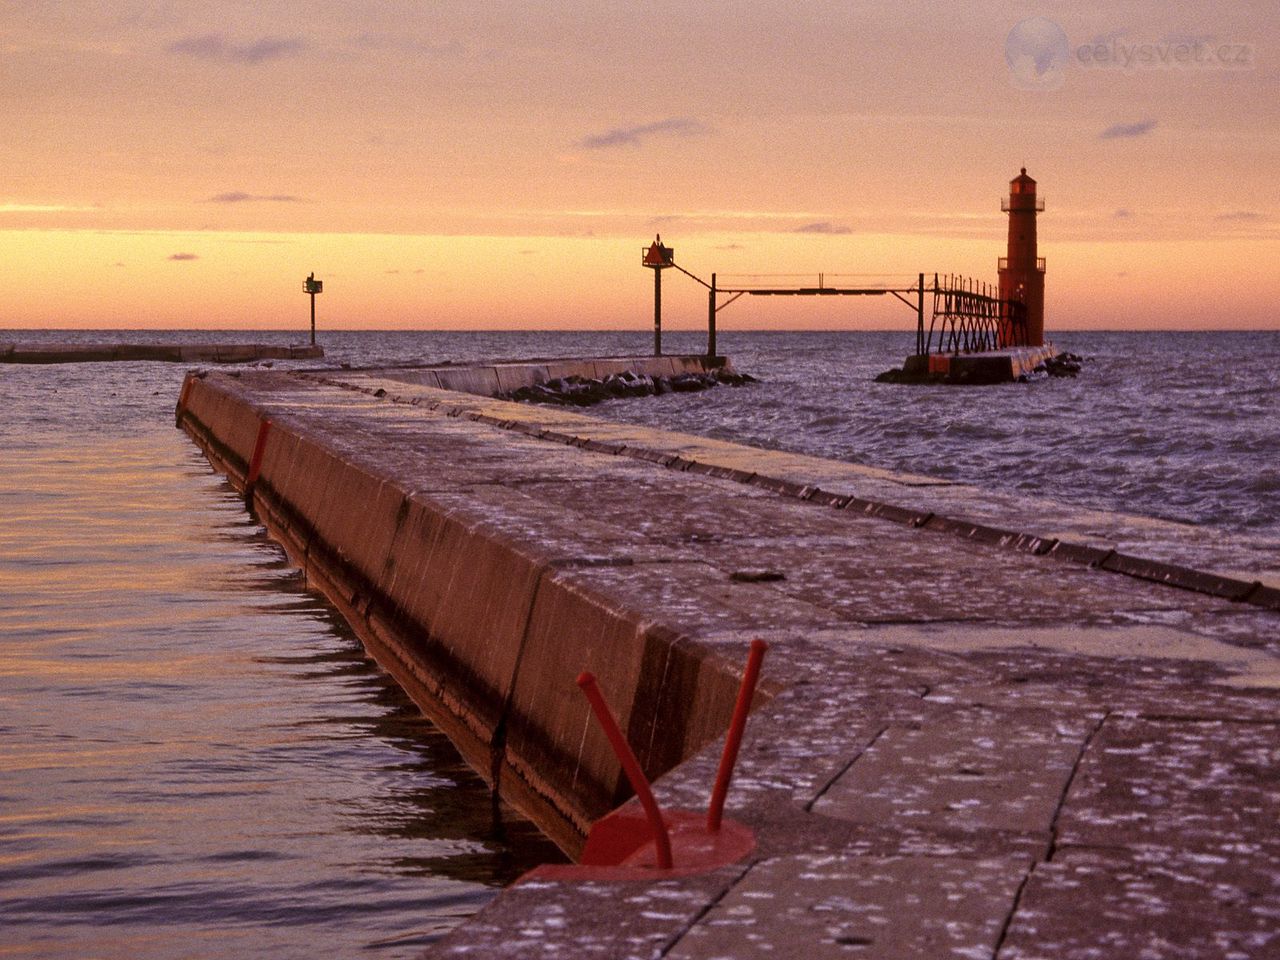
[(255, 462), (630, 766), (733, 740)]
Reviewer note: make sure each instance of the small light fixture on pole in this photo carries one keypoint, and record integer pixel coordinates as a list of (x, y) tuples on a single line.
[(313, 286), (657, 258)]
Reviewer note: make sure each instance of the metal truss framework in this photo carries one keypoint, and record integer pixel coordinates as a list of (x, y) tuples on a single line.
[(968, 315)]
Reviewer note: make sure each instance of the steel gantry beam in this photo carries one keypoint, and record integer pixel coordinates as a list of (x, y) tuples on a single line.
[(714, 291), (968, 315)]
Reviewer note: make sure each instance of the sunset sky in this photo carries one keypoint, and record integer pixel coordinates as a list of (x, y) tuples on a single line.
[(492, 164)]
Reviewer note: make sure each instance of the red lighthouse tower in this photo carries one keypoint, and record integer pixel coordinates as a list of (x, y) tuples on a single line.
[(1022, 272)]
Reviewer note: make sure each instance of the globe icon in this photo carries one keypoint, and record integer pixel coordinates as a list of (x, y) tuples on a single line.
[(1036, 52)]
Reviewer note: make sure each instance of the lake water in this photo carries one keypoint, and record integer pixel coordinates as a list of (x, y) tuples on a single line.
[(198, 761), (1181, 426)]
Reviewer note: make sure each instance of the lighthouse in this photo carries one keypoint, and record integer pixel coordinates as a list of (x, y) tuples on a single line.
[(1022, 271)]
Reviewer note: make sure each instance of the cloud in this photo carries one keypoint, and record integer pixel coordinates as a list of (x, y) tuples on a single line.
[(824, 226), (239, 196), (184, 256), (1240, 216), (1119, 131), (212, 46), (1123, 214), (635, 135), (730, 246)]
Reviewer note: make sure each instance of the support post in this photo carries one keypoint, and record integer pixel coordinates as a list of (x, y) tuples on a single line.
[(313, 318), (733, 739), (657, 313), (920, 318), (630, 766), (711, 318)]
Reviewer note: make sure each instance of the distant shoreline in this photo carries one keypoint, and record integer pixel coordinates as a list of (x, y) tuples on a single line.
[(171, 353)]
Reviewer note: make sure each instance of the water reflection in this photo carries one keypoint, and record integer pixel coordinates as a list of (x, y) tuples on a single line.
[(197, 759)]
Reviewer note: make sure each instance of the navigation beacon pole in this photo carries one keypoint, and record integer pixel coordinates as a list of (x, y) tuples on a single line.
[(313, 286), (657, 258)]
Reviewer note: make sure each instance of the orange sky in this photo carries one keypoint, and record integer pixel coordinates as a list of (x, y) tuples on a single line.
[(493, 164)]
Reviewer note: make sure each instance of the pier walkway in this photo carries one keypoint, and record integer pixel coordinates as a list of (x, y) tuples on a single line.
[(990, 727)]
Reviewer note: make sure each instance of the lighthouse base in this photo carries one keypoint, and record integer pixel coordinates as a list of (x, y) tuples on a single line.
[(974, 369)]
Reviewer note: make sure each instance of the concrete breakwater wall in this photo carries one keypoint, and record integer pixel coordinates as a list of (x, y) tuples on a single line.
[(978, 369), (498, 379), (995, 726), (484, 627), (166, 352)]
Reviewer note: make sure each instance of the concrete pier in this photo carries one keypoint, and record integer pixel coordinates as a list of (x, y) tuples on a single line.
[(168, 352), (989, 367), (502, 378), (990, 726)]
